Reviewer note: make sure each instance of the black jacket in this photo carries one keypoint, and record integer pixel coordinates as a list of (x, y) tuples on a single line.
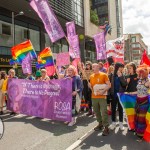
[(123, 84)]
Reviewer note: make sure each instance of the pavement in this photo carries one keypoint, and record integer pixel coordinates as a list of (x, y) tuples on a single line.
[(31, 133)]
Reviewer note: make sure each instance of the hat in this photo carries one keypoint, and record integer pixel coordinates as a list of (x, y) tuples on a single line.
[(38, 73)]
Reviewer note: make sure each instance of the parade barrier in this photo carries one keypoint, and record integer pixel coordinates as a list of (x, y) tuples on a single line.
[(51, 99)]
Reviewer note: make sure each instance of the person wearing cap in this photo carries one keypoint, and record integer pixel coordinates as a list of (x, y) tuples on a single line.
[(44, 76), (118, 84), (38, 75)]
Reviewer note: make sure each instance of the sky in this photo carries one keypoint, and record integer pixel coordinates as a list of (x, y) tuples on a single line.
[(136, 18)]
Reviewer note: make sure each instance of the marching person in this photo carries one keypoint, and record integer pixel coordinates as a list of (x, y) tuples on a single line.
[(142, 102), (101, 67), (86, 90), (44, 77), (118, 84), (2, 97), (12, 75), (38, 75), (132, 78), (100, 84), (76, 88)]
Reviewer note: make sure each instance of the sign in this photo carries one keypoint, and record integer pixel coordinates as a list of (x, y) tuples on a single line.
[(63, 59), (4, 59), (52, 99)]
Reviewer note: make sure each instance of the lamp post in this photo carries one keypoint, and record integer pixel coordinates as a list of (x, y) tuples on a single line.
[(13, 30), (13, 24)]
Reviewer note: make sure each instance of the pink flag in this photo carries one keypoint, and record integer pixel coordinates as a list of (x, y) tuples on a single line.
[(71, 31), (100, 45), (63, 59), (74, 49), (49, 19), (50, 70), (75, 62), (26, 64)]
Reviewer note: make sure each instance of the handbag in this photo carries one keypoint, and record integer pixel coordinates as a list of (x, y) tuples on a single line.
[(78, 99)]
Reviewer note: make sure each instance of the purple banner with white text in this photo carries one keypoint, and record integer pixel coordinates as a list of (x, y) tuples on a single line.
[(51, 99)]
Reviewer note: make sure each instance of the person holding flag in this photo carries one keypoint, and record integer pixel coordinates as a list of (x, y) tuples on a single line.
[(142, 102)]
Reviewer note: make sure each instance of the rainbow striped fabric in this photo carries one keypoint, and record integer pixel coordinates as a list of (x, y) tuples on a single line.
[(20, 51), (147, 131), (45, 58), (128, 103)]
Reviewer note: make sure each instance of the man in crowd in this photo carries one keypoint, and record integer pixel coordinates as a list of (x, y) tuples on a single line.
[(100, 84), (101, 67)]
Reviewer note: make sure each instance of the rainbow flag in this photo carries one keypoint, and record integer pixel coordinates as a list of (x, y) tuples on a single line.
[(45, 58), (128, 103), (147, 131), (20, 51)]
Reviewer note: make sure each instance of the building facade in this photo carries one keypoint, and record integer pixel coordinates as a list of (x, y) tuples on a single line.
[(30, 26), (134, 47), (107, 10), (111, 11)]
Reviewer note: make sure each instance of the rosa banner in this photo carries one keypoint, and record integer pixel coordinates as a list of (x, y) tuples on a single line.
[(51, 100)]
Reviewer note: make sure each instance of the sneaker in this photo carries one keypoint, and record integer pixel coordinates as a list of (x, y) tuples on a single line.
[(121, 126), (105, 131), (66, 122), (113, 126), (98, 127), (1, 113), (89, 113), (12, 113), (72, 122)]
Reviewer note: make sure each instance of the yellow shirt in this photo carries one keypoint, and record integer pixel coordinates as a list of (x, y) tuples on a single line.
[(100, 78), (4, 86)]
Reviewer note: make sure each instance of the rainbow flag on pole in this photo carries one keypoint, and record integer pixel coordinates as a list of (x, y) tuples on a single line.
[(20, 51), (45, 58)]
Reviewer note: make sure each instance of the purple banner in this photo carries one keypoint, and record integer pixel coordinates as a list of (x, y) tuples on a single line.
[(100, 45), (49, 19), (26, 64), (51, 99), (71, 30), (74, 49)]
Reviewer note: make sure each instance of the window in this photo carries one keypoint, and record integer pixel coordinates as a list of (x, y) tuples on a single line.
[(133, 39), (136, 58), (26, 34), (6, 29), (136, 51)]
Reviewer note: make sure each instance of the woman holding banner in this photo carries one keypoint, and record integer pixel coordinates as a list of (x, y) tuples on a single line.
[(44, 77), (76, 88)]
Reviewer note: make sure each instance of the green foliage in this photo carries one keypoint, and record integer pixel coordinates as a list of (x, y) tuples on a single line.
[(94, 17)]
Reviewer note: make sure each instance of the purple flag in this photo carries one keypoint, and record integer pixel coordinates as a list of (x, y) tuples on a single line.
[(74, 49), (100, 45), (52, 99), (49, 19), (71, 31), (26, 64)]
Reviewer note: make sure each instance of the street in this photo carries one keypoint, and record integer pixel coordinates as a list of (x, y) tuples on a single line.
[(31, 133)]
